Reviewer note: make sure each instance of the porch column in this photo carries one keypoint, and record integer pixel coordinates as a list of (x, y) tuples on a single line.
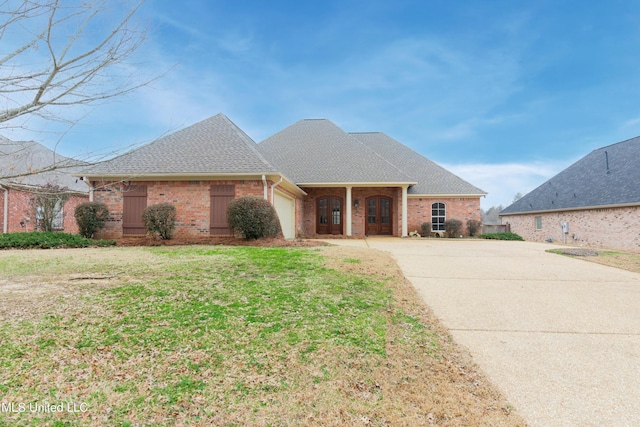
[(405, 228), (348, 211)]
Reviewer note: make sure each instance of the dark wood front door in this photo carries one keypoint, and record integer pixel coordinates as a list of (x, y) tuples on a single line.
[(379, 218), (329, 215), (134, 199)]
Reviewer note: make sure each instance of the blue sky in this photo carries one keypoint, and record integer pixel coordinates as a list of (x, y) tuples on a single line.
[(505, 94)]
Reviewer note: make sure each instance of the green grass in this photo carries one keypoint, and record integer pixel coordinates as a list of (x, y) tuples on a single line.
[(209, 329), (48, 240)]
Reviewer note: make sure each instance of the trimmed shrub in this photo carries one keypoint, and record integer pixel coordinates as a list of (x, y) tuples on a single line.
[(473, 225), (160, 220), (501, 236), (253, 218), (453, 227), (91, 217), (426, 228), (48, 240)]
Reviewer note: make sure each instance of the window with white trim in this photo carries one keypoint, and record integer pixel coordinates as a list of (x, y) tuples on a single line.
[(538, 223), (438, 216)]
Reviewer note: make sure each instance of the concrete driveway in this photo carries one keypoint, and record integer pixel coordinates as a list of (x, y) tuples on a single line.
[(559, 337)]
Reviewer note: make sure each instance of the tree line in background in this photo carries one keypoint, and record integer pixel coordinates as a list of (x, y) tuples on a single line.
[(491, 215)]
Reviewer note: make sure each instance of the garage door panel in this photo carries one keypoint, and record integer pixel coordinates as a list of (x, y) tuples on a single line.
[(285, 207)]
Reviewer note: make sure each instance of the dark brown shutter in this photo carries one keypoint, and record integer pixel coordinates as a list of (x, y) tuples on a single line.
[(134, 202), (221, 195)]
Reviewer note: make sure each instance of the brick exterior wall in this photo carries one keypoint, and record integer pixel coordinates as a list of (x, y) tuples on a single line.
[(418, 209), (69, 210), (461, 208), (612, 228), (191, 199), (21, 208)]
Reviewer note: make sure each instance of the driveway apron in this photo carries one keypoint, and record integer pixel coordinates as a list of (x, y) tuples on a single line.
[(560, 337)]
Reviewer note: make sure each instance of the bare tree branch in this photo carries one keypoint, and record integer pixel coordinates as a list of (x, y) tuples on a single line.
[(81, 61)]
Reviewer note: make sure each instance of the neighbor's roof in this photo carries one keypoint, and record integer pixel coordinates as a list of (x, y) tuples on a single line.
[(318, 151), (432, 178), (607, 176), (30, 164), (213, 146)]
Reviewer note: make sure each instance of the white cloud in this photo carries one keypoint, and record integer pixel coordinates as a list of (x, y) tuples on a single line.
[(504, 180)]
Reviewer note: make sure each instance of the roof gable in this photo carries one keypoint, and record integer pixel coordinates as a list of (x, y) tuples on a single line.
[(607, 176), (213, 146), (318, 151), (22, 161), (432, 178)]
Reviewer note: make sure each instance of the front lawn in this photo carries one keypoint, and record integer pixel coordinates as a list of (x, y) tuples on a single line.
[(204, 335)]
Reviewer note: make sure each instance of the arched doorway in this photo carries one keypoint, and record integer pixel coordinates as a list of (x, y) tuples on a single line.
[(379, 219)]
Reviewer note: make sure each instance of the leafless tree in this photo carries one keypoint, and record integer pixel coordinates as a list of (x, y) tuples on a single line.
[(64, 53), (47, 203), (59, 54)]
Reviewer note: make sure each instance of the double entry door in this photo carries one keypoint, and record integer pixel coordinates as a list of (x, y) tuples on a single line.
[(378, 220)]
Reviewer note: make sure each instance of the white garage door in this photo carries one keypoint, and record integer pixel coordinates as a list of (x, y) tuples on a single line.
[(285, 207)]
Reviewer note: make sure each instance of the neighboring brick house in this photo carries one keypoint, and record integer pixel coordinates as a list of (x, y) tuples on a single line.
[(321, 180), (26, 168), (594, 202)]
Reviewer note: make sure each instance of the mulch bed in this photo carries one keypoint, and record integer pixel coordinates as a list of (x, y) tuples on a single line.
[(580, 252), (227, 241)]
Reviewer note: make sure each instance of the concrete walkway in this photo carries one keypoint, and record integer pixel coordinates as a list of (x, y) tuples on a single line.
[(559, 337)]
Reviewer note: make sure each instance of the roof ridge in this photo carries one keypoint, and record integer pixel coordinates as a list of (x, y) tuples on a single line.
[(428, 173), (616, 143), (379, 155), (251, 144), (586, 183)]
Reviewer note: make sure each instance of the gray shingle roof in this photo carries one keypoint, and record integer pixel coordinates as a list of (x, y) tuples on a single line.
[(318, 151), (29, 157), (213, 146), (432, 178), (607, 176)]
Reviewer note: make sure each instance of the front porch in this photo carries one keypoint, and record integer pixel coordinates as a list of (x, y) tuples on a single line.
[(356, 211)]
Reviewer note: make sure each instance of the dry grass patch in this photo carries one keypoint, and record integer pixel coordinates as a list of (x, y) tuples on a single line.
[(229, 336), (623, 260)]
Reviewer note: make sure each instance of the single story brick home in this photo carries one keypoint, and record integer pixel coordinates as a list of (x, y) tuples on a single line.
[(594, 202), (321, 180), (26, 167)]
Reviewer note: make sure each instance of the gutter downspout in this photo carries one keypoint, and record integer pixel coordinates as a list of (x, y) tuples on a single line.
[(5, 217), (264, 185), (274, 186)]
